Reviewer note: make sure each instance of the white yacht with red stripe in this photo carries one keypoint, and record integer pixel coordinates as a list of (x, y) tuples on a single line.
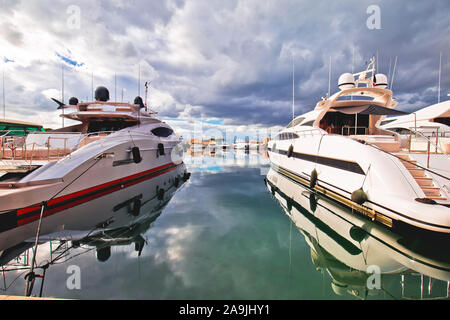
[(115, 146)]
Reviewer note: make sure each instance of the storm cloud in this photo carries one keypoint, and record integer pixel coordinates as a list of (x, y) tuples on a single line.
[(227, 60)]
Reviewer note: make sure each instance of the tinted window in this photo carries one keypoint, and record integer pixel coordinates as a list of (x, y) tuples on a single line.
[(295, 122), (401, 130), (309, 123), (382, 123), (162, 132), (106, 126)]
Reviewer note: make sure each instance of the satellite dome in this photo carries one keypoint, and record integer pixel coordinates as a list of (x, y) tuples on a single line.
[(346, 81), (73, 101), (101, 94), (138, 100), (380, 81)]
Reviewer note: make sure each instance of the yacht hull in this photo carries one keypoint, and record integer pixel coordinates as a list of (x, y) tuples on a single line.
[(94, 172), (345, 165), (104, 206), (353, 241)]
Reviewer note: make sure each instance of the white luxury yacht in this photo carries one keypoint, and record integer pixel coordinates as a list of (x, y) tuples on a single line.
[(432, 122), (339, 150), (116, 146)]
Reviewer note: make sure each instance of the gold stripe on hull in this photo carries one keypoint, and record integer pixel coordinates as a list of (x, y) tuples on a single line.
[(369, 212)]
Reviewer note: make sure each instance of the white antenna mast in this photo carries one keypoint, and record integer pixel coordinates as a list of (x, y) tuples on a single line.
[(353, 67), (62, 92), (139, 80), (393, 73), (293, 88), (377, 61), (390, 65), (353, 61), (147, 84), (4, 104), (115, 86), (439, 85), (92, 84), (329, 78)]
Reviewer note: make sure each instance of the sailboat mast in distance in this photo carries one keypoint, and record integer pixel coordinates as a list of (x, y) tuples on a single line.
[(4, 104), (439, 82), (293, 88), (62, 92)]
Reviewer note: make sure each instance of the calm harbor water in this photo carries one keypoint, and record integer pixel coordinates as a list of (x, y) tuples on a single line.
[(224, 234)]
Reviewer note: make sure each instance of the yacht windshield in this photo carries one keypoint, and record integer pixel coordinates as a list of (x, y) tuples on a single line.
[(295, 122), (105, 126)]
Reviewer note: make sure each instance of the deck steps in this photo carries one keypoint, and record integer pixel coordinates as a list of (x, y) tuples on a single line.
[(424, 182)]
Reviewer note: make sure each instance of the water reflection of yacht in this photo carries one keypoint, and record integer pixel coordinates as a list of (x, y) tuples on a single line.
[(118, 201), (339, 150), (349, 248), (119, 219), (241, 145)]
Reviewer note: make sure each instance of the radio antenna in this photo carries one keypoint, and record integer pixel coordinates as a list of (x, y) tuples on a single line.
[(62, 92), (139, 79), (4, 104), (393, 73), (147, 84), (329, 78), (293, 88), (92, 85), (439, 83)]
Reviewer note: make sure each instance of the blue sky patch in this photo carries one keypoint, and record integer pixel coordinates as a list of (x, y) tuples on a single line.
[(70, 61)]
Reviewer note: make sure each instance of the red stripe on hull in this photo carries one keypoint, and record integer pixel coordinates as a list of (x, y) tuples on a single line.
[(49, 212)]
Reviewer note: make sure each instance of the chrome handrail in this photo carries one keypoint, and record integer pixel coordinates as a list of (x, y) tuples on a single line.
[(435, 145), (429, 142)]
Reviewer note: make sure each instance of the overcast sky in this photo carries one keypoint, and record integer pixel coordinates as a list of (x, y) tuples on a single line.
[(226, 62)]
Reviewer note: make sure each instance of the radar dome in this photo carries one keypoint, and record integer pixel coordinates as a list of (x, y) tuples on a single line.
[(73, 101), (346, 81), (138, 100), (381, 81), (101, 94)]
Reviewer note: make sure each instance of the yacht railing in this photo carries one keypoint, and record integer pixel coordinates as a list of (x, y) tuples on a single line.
[(429, 143), (310, 132), (48, 148), (54, 146)]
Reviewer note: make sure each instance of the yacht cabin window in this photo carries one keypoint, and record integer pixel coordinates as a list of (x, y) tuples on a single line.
[(162, 132), (382, 123), (287, 136), (344, 124), (295, 122), (443, 120), (400, 130), (108, 126), (308, 123)]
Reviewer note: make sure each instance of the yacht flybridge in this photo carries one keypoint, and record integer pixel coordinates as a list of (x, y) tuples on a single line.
[(115, 146), (339, 150)]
